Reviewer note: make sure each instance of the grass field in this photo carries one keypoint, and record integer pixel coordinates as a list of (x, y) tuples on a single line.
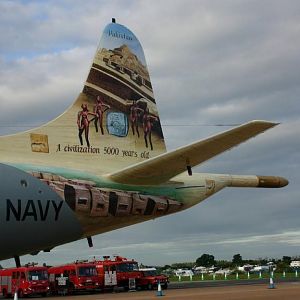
[(207, 277)]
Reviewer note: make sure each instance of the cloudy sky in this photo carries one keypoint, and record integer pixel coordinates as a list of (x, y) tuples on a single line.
[(211, 62)]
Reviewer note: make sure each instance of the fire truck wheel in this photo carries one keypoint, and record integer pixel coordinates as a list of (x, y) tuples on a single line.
[(150, 286), (71, 288), (4, 293), (44, 294), (20, 293), (165, 286)]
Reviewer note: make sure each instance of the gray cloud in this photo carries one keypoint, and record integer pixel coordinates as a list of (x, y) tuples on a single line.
[(211, 63)]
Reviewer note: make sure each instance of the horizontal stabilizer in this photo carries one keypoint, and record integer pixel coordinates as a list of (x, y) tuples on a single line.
[(163, 167)]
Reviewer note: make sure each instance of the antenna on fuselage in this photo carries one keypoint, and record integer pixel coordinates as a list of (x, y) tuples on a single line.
[(90, 241), (188, 167), (17, 261)]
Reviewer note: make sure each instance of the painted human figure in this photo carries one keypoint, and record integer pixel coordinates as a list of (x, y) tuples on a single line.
[(147, 126), (134, 116), (99, 109), (83, 123)]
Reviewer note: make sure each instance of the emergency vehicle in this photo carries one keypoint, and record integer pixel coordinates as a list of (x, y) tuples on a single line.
[(119, 272), (27, 280), (150, 279), (73, 277)]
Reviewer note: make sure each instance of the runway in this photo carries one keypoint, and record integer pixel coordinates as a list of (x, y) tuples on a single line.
[(285, 290)]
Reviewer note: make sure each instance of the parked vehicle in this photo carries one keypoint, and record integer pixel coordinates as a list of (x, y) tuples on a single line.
[(70, 278), (223, 272), (150, 279), (26, 281), (119, 272), (184, 272)]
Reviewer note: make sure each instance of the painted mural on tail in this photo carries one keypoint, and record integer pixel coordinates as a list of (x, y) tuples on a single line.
[(117, 112), (119, 89)]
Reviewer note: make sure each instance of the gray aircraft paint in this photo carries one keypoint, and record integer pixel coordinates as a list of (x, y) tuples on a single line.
[(32, 215)]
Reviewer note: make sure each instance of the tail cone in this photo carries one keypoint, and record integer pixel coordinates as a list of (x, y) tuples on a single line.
[(272, 181)]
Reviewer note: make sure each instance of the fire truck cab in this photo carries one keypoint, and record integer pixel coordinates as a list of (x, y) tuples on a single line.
[(118, 272), (77, 276), (27, 280)]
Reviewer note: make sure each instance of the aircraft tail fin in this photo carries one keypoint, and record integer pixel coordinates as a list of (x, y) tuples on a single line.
[(119, 92), (113, 122)]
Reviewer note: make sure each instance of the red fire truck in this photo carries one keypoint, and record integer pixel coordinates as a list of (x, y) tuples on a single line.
[(27, 280), (150, 279), (77, 276), (118, 272)]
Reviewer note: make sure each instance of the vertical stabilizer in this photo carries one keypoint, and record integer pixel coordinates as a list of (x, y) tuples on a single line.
[(119, 97), (113, 123)]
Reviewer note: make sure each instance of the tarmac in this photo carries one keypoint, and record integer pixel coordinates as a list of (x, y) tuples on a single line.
[(282, 291)]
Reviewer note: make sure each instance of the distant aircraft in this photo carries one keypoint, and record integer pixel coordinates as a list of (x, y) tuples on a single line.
[(103, 164)]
